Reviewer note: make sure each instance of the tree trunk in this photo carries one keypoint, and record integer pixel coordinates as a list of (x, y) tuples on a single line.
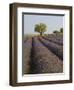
[(41, 33)]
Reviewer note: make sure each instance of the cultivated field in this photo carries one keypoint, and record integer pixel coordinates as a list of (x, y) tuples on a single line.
[(43, 54)]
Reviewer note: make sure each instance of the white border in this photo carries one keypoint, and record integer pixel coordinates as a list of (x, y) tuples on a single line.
[(42, 77)]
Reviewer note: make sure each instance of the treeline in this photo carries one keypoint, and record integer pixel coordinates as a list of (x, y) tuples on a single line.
[(56, 31)]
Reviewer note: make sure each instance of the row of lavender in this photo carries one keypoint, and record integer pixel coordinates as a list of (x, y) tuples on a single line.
[(55, 48), (27, 56), (44, 61), (56, 38)]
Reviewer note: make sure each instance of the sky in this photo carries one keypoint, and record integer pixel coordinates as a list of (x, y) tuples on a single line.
[(52, 22)]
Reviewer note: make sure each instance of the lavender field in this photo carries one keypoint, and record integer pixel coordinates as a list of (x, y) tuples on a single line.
[(43, 54)]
